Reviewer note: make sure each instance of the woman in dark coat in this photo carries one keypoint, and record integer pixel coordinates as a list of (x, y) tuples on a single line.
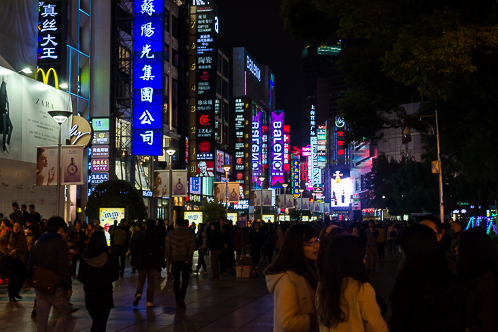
[(98, 269)]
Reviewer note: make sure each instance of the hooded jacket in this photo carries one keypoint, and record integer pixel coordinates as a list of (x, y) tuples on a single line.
[(294, 300), (98, 273)]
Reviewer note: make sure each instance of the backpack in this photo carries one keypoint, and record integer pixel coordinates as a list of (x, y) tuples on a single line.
[(393, 234), (119, 236)]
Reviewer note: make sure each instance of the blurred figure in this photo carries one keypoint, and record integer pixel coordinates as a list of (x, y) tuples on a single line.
[(201, 249), (5, 229), (426, 295), (15, 250), (456, 232), (98, 269), (256, 242), (477, 266), (392, 234), (78, 238), (372, 233), (215, 244), (381, 241), (345, 299), (132, 251), (121, 236), (292, 278)]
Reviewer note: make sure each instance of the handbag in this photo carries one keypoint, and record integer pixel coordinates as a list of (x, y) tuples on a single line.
[(44, 280)]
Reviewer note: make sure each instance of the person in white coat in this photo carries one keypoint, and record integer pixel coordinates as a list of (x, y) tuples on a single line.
[(292, 278)]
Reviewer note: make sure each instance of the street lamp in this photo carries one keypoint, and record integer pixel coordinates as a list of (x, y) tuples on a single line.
[(59, 117), (226, 168), (170, 152), (285, 185), (301, 199), (261, 179)]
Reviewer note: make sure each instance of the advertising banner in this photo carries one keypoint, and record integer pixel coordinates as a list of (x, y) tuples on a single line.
[(277, 148), (193, 217), (46, 166), (233, 217), (267, 197), (305, 204), (256, 144), (205, 168), (195, 185), (289, 201), (72, 165), (179, 183), (107, 217), (220, 161), (256, 198), (268, 218), (233, 192), (161, 183), (280, 201), (219, 191)]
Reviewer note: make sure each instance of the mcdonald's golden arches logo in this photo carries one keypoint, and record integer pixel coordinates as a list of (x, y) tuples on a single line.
[(47, 75)]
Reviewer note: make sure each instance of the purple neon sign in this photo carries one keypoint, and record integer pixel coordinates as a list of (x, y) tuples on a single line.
[(277, 148), (256, 143)]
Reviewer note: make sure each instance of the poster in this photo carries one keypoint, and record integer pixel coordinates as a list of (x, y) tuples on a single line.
[(233, 192), (268, 218), (107, 217), (305, 204), (256, 198), (46, 166), (205, 168), (161, 184), (267, 197), (219, 191), (195, 185), (220, 161), (305, 218), (289, 201), (179, 184), (193, 217), (280, 202), (72, 165), (233, 217)]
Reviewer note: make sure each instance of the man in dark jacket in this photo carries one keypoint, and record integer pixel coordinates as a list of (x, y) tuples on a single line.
[(147, 259), (78, 238), (180, 247), (256, 242), (51, 252), (120, 238), (16, 216)]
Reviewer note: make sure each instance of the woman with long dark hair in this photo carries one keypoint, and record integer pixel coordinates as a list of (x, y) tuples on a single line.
[(345, 299), (426, 295), (98, 269), (292, 278), (327, 235), (476, 262)]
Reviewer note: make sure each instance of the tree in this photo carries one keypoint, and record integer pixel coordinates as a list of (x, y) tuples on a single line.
[(116, 193), (213, 211)]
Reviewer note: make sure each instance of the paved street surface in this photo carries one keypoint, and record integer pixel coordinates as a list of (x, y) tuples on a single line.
[(231, 304)]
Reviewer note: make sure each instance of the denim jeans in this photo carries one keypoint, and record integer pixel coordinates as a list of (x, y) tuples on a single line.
[(183, 268), (150, 274), (60, 303)]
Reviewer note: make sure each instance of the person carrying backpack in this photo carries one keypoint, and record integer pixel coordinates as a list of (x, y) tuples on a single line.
[(121, 241)]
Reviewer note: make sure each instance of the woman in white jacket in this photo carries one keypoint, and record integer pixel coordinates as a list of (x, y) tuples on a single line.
[(292, 279), (345, 299)]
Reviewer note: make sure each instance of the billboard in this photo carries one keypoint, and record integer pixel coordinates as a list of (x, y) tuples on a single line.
[(220, 191), (107, 217), (205, 169), (193, 217), (277, 148), (233, 217), (268, 218), (220, 161), (233, 192), (340, 190), (267, 197), (72, 165), (239, 139), (46, 166), (148, 50), (179, 184), (256, 143), (195, 185), (161, 184)]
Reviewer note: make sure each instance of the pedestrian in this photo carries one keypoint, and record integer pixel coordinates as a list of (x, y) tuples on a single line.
[(371, 234), (25, 213), (326, 236), (346, 300), (98, 270), (256, 242), (180, 247), (89, 231), (169, 264), (16, 215), (15, 250), (280, 238), (381, 242), (426, 295), (147, 253), (215, 245), (33, 214), (476, 263), (270, 239), (160, 236), (51, 252), (292, 278), (78, 238), (392, 234), (201, 242), (456, 232), (225, 239), (132, 251), (6, 228), (121, 242)]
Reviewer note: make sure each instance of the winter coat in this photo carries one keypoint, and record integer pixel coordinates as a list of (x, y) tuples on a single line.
[(15, 242), (481, 295), (98, 273), (361, 309), (148, 253), (294, 302), (180, 245)]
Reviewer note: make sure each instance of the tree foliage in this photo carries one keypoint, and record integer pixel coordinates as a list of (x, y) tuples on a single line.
[(116, 193), (213, 211)]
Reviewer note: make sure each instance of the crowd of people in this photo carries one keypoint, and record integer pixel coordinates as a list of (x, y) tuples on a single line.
[(318, 272)]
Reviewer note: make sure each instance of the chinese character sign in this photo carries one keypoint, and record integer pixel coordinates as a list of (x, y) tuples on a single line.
[(148, 78)]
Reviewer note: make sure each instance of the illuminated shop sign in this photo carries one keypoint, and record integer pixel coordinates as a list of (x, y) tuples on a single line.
[(295, 176), (195, 185), (287, 155), (100, 124), (98, 178), (341, 150), (277, 147), (239, 139), (100, 165), (256, 142), (147, 125), (314, 172), (100, 151), (242, 204), (253, 68)]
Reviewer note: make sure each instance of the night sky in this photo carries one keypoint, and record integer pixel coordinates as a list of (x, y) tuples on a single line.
[(258, 26)]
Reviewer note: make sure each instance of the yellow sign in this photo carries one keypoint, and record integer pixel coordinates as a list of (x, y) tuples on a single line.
[(107, 217), (46, 76), (269, 218), (436, 167), (81, 131), (193, 217)]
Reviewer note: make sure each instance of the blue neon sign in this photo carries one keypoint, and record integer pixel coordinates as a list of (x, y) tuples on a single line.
[(147, 125)]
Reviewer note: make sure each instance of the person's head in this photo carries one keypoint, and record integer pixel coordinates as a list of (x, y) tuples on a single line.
[(345, 258), (431, 222), (476, 253), (55, 225), (31, 229), (15, 206), (223, 221), (97, 223), (6, 223), (29, 222), (420, 247), (371, 223), (298, 254), (158, 180), (17, 227), (31, 208), (257, 225), (23, 207), (97, 245), (150, 224), (41, 159), (78, 226), (160, 222), (166, 222), (215, 228), (456, 227), (138, 227), (181, 222), (90, 227)]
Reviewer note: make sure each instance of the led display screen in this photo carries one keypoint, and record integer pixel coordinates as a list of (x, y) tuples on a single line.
[(340, 191)]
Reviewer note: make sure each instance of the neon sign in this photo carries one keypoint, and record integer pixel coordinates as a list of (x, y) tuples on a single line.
[(256, 142), (277, 148), (253, 68)]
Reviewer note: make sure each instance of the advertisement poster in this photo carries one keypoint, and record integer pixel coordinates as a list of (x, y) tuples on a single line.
[(305, 204), (243, 221), (193, 217), (219, 191), (205, 168), (220, 161), (317, 207), (233, 217), (195, 185), (340, 190), (256, 198), (72, 165), (107, 217), (233, 192), (305, 218), (267, 197), (179, 183), (161, 184), (280, 201), (46, 166), (268, 218)]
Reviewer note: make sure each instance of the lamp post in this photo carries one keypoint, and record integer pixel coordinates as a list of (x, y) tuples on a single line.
[(59, 117), (170, 152), (285, 185), (226, 168), (261, 179), (301, 199)]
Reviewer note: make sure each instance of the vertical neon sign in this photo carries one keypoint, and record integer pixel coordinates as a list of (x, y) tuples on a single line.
[(147, 125), (256, 143), (277, 148)]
